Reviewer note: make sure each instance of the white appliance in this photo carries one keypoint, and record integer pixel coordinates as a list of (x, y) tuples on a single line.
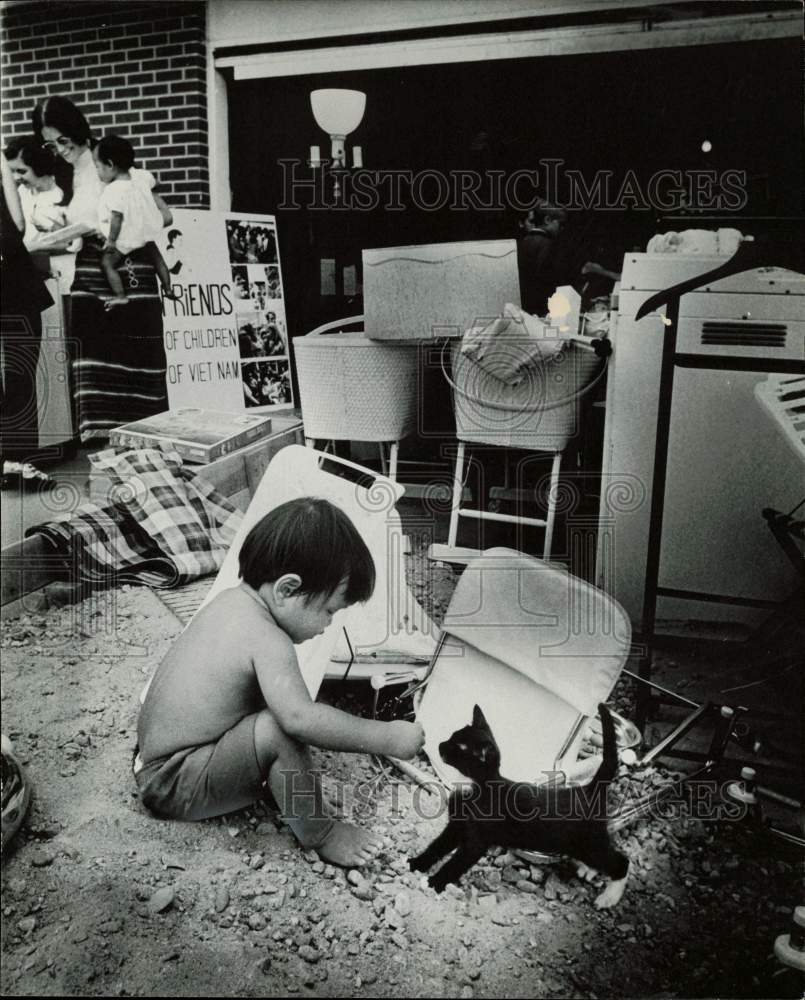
[(726, 461)]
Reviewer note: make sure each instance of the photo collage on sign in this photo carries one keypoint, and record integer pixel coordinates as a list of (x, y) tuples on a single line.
[(260, 313)]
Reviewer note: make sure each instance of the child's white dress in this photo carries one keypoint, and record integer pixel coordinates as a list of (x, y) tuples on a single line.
[(142, 220)]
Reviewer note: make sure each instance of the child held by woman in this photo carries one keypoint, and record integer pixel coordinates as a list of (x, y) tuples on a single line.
[(228, 717), (130, 214)]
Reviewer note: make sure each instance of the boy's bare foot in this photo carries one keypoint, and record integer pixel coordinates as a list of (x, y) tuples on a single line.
[(349, 846), (118, 301)]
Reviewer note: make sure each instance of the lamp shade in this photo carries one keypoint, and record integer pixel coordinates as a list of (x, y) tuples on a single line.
[(338, 112)]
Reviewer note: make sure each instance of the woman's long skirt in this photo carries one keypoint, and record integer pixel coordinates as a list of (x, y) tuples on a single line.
[(118, 355)]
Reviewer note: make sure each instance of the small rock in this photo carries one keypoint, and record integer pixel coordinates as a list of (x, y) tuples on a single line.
[(161, 900), (309, 954), (524, 885), (402, 904), (400, 940), (257, 922), (17, 887), (354, 877), (42, 856), (364, 891), (493, 879), (221, 899), (552, 887), (27, 925)]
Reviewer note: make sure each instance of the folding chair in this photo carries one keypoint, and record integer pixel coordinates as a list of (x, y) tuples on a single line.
[(537, 649), (391, 628)]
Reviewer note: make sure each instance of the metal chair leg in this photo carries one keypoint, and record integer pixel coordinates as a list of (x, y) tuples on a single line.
[(553, 490), (458, 480)]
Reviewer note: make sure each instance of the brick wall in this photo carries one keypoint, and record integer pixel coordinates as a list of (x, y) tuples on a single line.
[(136, 69)]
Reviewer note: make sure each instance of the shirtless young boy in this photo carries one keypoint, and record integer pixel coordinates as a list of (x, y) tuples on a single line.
[(228, 712)]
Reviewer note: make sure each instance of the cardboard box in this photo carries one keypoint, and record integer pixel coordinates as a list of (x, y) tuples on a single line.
[(236, 474), (437, 290), (197, 435)]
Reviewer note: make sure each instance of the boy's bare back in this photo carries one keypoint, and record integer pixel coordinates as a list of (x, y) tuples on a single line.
[(207, 681)]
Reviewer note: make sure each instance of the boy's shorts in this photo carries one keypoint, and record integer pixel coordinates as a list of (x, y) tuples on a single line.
[(209, 780)]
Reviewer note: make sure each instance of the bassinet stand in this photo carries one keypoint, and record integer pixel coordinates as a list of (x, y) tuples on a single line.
[(450, 552)]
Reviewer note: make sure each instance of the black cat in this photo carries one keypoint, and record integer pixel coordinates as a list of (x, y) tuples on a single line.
[(551, 819)]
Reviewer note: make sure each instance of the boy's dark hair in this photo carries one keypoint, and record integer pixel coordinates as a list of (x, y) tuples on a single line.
[(116, 150), (316, 540)]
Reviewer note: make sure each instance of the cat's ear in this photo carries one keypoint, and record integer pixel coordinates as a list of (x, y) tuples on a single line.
[(478, 719)]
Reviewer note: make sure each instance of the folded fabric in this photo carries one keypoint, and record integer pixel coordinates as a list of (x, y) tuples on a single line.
[(508, 346), (166, 526), (708, 241)]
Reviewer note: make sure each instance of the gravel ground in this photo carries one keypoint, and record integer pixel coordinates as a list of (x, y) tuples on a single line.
[(100, 899)]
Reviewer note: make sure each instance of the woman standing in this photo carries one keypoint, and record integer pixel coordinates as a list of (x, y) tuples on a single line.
[(119, 361), (24, 298), (34, 170)]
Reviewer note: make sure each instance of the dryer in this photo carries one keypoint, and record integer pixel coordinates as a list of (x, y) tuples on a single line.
[(683, 423)]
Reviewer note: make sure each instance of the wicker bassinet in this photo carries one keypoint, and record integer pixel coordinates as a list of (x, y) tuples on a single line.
[(355, 389), (539, 414)]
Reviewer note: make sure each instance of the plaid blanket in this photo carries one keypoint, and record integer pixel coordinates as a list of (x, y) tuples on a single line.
[(163, 527)]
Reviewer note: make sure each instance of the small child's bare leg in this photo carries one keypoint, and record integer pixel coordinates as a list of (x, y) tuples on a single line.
[(109, 261), (161, 267), (297, 790)]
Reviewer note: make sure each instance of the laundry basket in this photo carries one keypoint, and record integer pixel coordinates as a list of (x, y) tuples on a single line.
[(355, 389), (540, 414)]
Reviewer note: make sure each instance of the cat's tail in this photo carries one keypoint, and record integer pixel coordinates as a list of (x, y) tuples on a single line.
[(609, 767)]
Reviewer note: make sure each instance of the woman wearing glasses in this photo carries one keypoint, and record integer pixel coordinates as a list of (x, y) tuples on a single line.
[(119, 362)]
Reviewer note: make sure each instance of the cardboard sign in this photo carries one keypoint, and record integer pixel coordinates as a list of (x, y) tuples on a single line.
[(226, 334)]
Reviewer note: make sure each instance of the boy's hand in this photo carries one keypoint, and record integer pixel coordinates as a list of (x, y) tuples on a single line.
[(406, 739)]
